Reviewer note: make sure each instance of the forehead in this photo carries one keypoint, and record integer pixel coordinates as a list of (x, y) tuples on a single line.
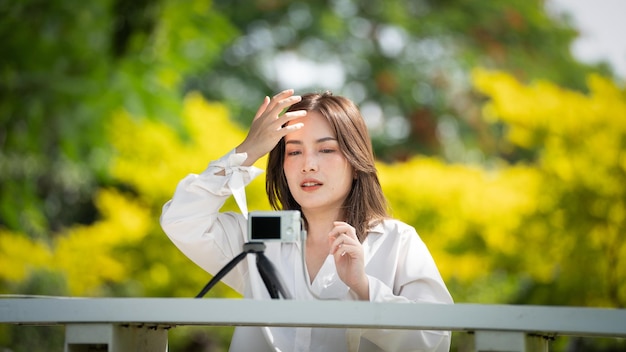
[(315, 127)]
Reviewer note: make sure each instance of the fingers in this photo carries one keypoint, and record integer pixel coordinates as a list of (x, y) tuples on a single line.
[(292, 115), (341, 227), (282, 95), (276, 101), (349, 258), (268, 127), (281, 101), (276, 105), (345, 246), (262, 108), (343, 239), (271, 108), (290, 128)]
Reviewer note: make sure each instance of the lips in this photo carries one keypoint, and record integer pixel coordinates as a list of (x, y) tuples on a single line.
[(310, 184)]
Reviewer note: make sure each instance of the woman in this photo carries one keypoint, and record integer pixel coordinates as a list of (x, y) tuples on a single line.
[(321, 163)]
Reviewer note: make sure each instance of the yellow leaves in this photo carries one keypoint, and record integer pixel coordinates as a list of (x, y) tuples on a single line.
[(152, 158), (531, 111), (579, 133), (606, 93), (544, 106), (131, 219), (448, 204), (579, 228), (514, 220), (83, 254), (465, 267), (210, 128), (19, 255), (144, 143), (86, 254), (159, 274)]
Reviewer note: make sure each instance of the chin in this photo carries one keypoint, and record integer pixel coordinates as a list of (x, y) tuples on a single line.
[(304, 205)]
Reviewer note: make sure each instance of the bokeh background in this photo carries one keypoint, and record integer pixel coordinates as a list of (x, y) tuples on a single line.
[(502, 149)]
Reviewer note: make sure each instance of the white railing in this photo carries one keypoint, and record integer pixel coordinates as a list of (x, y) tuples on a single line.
[(141, 324)]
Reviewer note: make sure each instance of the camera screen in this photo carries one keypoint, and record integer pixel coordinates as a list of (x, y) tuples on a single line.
[(265, 228)]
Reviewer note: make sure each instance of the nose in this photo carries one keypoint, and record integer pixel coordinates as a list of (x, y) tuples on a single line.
[(309, 162)]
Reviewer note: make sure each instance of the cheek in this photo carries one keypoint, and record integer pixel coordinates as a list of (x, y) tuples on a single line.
[(288, 170), (347, 175)]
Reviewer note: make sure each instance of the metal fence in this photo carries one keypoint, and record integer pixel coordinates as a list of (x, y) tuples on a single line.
[(142, 324)]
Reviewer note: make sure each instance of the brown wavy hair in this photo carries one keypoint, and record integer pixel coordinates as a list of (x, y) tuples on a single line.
[(365, 205)]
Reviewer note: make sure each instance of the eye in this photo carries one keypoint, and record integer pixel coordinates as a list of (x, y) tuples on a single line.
[(293, 152), (327, 150)]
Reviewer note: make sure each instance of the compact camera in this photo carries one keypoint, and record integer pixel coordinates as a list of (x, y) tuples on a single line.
[(284, 226)]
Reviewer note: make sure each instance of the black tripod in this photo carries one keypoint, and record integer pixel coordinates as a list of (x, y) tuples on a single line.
[(271, 279)]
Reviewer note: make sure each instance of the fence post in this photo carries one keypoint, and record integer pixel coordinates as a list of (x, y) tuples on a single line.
[(115, 338)]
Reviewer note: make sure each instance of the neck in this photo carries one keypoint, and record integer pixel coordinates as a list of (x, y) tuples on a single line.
[(320, 223)]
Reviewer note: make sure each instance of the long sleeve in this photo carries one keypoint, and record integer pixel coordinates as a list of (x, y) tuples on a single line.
[(191, 219), (401, 269)]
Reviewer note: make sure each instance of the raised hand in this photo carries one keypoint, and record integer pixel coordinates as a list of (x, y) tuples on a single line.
[(268, 126)]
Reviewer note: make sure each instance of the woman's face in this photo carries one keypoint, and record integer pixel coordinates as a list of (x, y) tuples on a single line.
[(317, 172)]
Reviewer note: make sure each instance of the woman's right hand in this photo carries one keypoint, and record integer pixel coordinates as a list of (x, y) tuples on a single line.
[(267, 127)]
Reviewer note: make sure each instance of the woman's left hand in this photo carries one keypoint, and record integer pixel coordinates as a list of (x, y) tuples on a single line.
[(349, 258)]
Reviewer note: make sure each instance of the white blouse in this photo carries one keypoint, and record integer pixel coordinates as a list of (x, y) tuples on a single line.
[(398, 264)]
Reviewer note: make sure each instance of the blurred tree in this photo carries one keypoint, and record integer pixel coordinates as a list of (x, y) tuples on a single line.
[(405, 62), (79, 218), (124, 252), (65, 68), (546, 231), (509, 234), (53, 96), (576, 235)]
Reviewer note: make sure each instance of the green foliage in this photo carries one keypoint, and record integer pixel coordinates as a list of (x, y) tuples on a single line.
[(513, 233), (95, 134), (406, 62), (65, 68), (466, 215), (152, 148), (49, 86)]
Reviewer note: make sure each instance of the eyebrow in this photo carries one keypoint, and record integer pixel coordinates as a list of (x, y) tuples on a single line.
[(321, 140)]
